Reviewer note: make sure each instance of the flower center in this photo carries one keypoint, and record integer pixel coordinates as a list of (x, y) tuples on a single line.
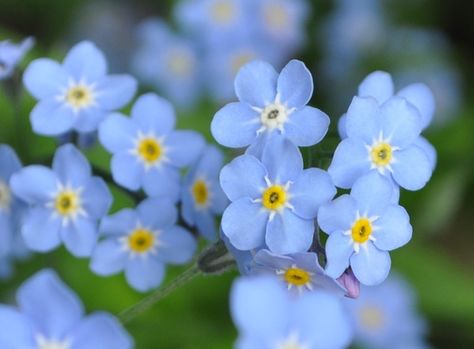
[(274, 197), (180, 62), (381, 154), (274, 116), (80, 96), (275, 16), (5, 196), (150, 150), (141, 240), (67, 203), (361, 230), (200, 192), (371, 317), (43, 343), (240, 59), (291, 342), (223, 11), (297, 277)]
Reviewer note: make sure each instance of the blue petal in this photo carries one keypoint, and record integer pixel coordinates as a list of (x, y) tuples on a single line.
[(295, 84), (339, 249), (71, 166), (273, 261), (235, 125), (373, 193), (50, 304), (89, 119), (85, 61), (154, 114), (401, 122), (108, 258), (206, 224), (282, 160), (362, 119), (243, 177), (119, 223), (350, 161), (378, 85), (144, 274), (40, 230), (307, 126), (176, 246), (423, 99), (162, 182), (394, 229), (313, 188), (341, 126), (6, 232), (96, 198), (115, 91), (219, 200), (101, 330), (34, 184), (80, 237), (430, 151), (45, 78), (255, 84), (117, 132), (256, 148), (183, 148), (412, 169), (288, 233), (337, 215), (17, 329), (51, 118), (211, 162), (157, 213), (10, 162), (127, 170), (244, 223), (370, 266)]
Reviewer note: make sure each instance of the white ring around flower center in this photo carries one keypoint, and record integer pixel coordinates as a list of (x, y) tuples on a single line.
[(78, 95), (292, 342), (43, 343)]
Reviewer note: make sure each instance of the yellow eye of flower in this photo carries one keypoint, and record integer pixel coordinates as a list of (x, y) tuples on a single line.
[(67, 203), (150, 150), (381, 154), (371, 317), (200, 192), (274, 197), (141, 240), (223, 12), (275, 16), (297, 277), (180, 63), (79, 96), (361, 230)]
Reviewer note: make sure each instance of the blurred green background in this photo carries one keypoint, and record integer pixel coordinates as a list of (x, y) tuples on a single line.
[(439, 261)]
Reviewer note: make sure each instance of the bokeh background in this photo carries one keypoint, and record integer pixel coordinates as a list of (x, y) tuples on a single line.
[(431, 41)]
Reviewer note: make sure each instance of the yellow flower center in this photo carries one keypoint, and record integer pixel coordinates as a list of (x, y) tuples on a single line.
[(274, 197), (150, 150), (200, 192), (381, 154), (371, 317), (141, 240), (361, 230), (297, 276), (275, 16), (223, 12), (67, 203), (180, 63), (79, 96)]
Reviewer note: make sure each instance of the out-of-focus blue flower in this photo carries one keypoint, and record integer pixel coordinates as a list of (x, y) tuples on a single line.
[(274, 201), (268, 317), (383, 138), (167, 61), (270, 103), (77, 94), (51, 316), (65, 203), (362, 228), (141, 242), (300, 272), (147, 151), (11, 55), (385, 316), (202, 197)]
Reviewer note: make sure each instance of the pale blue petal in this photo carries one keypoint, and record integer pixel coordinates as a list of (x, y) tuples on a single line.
[(115, 91), (339, 249), (211, 162), (154, 113), (282, 159), (313, 188), (157, 213), (80, 237), (243, 177), (34, 184), (265, 259), (119, 223), (127, 170), (183, 148), (51, 118), (17, 329), (10, 162), (288, 233), (45, 78), (219, 200), (244, 223), (89, 119), (255, 84), (307, 126), (187, 206), (337, 215), (430, 151), (144, 274), (206, 224), (162, 182), (108, 258), (176, 246), (256, 148), (235, 125), (341, 126), (378, 85), (40, 230), (373, 193), (370, 266), (85, 61), (251, 342), (394, 229), (96, 198), (350, 161), (423, 99), (117, 132), (71, 166), (412, 169), (362, 119), (295, 85)]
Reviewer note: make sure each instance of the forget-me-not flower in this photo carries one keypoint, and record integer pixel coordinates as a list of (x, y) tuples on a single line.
[(270, 103), (267, 317), (77, 94), (141, 242), (11, 55), (274, 201), (51, 316), (362, 228), (201, 196), (65, 203), (147, 152)]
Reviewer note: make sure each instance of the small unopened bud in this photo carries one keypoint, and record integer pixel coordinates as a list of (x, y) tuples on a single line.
[(350, 283)]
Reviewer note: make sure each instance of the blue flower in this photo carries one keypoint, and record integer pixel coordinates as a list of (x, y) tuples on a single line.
[(274, 201), (243, 259), (76, 95), (65, 203), (270, 103), (147, 151), (202, 197), (141, 242), (362, 228), (382, 137), (268, 317), (168, 62), (299, 272), (50, 315), (11, 55), (385, 316)]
